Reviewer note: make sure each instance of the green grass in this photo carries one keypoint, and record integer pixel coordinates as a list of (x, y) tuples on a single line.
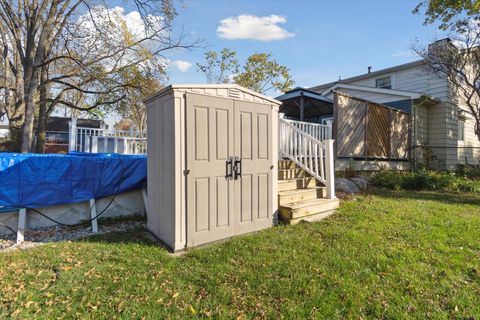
[(389, 255)]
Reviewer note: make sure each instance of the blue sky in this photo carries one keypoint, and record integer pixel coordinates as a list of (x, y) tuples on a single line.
[(322, 40)]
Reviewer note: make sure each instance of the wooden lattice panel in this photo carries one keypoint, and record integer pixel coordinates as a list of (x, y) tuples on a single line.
[(378, 131), (366, 129), (351, 127), (399, 135)]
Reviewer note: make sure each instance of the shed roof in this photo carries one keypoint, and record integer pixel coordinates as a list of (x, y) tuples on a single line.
[(232, 91)]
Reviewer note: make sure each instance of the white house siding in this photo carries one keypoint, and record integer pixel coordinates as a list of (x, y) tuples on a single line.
[(469, 148)]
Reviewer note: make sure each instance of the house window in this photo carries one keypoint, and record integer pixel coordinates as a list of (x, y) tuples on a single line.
[(461, 129), (384, 82)]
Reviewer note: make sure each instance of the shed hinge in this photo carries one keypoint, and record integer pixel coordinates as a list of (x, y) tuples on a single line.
[(186, 171)]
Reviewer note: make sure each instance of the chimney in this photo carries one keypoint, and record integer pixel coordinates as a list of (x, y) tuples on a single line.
[(369, 69), (440, 45)]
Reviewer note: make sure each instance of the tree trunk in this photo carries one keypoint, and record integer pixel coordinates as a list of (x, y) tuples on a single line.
[(42, 116), (27, 137), (16, 134)]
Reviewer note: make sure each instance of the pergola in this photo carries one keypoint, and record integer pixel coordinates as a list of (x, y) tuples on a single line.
[(303, 104)]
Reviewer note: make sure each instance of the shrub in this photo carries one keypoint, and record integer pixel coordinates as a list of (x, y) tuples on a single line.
[(470, 172), (424, 180), (388, 179)]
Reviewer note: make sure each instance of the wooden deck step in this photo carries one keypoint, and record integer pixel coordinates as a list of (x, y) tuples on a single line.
[(285, 174), (298, 183), (286, 164), (310, 210), (289, 196)]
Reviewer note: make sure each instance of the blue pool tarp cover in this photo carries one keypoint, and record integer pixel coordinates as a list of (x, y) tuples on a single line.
[(39, 180)]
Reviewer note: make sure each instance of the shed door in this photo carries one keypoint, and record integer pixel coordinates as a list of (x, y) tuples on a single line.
[(210, 200), (253, 191), (217, 129)]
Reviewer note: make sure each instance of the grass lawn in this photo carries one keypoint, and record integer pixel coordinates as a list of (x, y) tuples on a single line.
[(387, 255)]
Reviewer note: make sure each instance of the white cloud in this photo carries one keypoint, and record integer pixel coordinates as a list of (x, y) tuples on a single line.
[(403, 54), (251, 27), (181, 65)]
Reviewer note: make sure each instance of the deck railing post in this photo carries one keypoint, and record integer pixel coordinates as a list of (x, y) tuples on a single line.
[(329, 169), (72, 136)]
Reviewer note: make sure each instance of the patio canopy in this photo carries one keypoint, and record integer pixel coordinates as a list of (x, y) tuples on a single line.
[(302, 104)]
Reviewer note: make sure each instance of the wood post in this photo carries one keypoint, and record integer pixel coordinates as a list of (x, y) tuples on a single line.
[(302, 108), (329, 169), (93, 215), (22, 225)]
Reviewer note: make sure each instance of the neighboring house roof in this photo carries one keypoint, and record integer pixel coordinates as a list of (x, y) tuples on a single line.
[(368, 75), (407, 94), (397, 93), (61, 124)]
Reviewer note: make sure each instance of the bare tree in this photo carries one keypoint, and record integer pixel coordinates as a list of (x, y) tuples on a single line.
[(458, 59), (53, 48), (132, 109)]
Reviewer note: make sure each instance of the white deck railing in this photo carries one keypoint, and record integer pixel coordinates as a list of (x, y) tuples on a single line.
[(106, 141), (311, 154), (320, 132)]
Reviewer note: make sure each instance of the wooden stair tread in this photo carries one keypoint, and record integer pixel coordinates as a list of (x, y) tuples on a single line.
[(313, 217), (295, 179), (308, 203), (302, 190)]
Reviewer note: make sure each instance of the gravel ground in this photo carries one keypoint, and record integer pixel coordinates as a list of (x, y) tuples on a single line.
[(43, 236)]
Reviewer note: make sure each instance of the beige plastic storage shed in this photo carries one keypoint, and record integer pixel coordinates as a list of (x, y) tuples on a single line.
[(212, 157)]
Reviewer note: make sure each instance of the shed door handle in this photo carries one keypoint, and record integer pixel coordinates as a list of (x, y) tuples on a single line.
[(238, 168), (229, 168)]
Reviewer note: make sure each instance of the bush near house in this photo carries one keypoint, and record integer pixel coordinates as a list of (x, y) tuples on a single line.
[(460, 181)]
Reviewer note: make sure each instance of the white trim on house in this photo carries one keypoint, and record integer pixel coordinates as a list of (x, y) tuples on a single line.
[(407, 94)]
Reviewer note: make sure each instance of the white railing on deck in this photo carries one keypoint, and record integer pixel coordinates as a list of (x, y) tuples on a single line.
[(309, 153), (106, 141), (320, 132)]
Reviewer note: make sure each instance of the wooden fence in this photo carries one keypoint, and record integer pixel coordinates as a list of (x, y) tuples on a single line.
[(369, 130)]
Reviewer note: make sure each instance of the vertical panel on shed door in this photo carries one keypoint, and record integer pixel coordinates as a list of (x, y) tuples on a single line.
[(253, 197), (209, 140)]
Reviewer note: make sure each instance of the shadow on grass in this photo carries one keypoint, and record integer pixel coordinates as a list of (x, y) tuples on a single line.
[(448, 198), (138, 235)]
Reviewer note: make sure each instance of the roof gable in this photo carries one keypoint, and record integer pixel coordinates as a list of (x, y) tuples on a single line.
[(233, 91)]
